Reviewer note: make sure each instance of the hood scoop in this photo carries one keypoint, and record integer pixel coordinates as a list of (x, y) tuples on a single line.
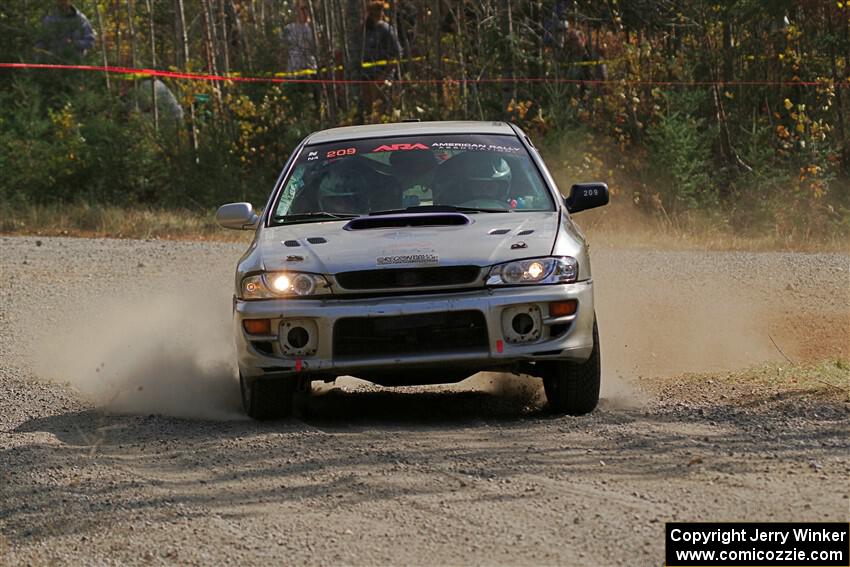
[(407, 220)]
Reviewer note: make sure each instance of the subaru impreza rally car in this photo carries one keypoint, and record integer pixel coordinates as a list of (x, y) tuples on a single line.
[(415, 253)]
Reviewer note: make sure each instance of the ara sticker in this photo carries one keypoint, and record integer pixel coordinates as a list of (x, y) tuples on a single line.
[(312, 156), (399, 147)]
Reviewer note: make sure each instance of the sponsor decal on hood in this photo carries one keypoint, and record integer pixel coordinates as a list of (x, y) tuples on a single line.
[(419, 258)]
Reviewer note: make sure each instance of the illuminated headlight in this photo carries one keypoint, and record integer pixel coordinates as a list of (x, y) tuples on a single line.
[(283, 284), (535, 271)]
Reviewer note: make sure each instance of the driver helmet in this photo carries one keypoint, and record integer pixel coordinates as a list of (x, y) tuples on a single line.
[(475, 176), (341, 193)]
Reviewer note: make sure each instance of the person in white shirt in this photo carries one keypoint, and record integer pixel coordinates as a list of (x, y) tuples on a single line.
[(300, 41)]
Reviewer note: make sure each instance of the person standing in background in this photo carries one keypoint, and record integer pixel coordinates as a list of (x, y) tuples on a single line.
[(299, 39), (169, 109), (66, 33), (556, 26), (235, 35), (381, 52), (380, 42), (586, 67), (587, 63), (407, 19)]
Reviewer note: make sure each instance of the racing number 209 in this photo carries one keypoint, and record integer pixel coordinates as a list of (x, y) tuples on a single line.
[(341, 153), (590, 192)]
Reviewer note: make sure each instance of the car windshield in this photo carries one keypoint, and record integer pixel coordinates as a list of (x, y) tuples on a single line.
[(470, 173)]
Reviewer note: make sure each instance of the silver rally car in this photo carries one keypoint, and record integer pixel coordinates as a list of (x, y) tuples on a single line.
[(415, 253)]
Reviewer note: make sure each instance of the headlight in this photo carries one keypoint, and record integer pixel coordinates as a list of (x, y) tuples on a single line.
[(535, 271), (283, 284)]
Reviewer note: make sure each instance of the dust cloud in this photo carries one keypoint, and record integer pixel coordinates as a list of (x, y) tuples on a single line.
[(653, 324), (146, 346), (154, 352), (523, 391), (170, 352)]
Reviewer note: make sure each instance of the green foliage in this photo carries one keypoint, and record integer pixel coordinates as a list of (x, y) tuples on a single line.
[(74, 149), (680, 151), (760, 154), (88, 145)]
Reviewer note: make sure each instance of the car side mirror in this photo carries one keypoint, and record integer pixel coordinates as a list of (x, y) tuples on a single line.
[(237, 216), (585, 196)]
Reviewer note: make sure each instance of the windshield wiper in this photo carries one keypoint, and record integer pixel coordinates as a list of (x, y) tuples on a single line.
[(318, 215), (438, 209)]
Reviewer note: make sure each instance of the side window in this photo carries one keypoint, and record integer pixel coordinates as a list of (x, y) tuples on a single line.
[(526, 188), (295, 183)]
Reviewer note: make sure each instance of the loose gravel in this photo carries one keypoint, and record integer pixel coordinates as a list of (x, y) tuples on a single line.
[(122, 443)]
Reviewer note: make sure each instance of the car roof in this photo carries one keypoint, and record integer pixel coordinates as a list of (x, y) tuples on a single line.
[(409, 129)]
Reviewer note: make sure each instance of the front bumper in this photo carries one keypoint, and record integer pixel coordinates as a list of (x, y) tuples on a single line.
[(560, 338)]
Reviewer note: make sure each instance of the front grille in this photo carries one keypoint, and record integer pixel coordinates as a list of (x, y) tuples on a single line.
[(425, 333), (408, 277)]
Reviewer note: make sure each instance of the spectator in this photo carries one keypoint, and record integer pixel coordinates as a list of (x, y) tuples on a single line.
[(556, 26), (380, 42), (66, 33), (235, 36), (300, 41), (407, 19), (169, 110), (584, 59)]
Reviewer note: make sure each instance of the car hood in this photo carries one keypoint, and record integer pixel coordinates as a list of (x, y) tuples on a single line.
[(329, 248)]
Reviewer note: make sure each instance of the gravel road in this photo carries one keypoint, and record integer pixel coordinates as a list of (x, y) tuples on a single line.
[(122, 443)]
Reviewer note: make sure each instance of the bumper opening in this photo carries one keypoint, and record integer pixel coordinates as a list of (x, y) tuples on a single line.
[(265, 347), (444, 332)]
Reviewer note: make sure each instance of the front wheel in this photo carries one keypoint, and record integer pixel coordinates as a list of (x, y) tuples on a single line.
[(573, 388), (266, 398)]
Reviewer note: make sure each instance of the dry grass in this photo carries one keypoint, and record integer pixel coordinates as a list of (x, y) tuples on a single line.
[(825, 380), (114, 222), (613, 226), (620, 225)]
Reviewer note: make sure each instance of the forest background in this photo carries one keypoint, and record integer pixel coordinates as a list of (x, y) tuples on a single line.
[(725, 115)]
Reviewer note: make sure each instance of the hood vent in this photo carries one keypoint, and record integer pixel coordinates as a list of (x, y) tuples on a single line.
[(497, 231), (525, 232), (407, 220)]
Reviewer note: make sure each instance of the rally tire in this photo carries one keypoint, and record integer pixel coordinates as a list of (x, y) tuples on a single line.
[(264, 399), (573, 388)]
